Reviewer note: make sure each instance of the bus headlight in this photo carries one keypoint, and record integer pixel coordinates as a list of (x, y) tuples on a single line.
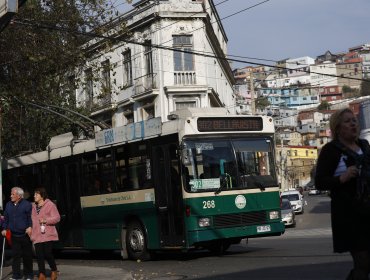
[(274, 215), (204, 222)]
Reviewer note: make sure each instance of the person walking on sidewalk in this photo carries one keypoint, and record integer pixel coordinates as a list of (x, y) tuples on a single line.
[(18, 220), (343, 167), (45, 216)]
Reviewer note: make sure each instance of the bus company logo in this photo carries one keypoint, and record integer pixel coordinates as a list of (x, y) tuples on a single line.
[(240, 201)]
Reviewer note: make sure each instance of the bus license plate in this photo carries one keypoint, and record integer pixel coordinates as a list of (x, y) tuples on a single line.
[(263, 228)]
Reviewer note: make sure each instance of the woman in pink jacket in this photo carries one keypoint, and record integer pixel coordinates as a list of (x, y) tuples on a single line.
[(45, 216)]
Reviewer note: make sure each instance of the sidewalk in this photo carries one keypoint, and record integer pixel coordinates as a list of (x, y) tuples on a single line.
[(80, 272)]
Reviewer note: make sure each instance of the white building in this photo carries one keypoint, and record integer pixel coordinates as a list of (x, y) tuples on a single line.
[(299, 66), (172, 59), (323, 75), (365, 65), (285, 81), (287, 117)]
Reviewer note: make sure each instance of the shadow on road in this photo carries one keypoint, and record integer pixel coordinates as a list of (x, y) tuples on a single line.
[(321, 207), (327, 271)]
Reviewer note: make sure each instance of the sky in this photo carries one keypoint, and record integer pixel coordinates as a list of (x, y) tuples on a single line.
[(279, 29)]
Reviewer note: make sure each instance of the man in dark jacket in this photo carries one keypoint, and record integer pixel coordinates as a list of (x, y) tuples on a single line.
[(18, 220)]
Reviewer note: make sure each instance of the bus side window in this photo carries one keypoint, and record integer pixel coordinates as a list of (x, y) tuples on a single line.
[(127, 184), (87, 186), (109, 188), (97, 187)]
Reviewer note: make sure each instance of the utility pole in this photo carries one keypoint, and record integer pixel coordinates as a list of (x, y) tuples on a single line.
[(282, 161), (253, 105)]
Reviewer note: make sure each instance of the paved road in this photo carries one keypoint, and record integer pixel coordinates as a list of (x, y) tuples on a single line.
[(82, 271), (303, 252)]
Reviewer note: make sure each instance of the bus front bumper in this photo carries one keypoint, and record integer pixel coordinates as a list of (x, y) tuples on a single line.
[(197, 237)]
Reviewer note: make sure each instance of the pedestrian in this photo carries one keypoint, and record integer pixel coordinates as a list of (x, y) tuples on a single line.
[(45, 216), (343, 168), (18, 220)]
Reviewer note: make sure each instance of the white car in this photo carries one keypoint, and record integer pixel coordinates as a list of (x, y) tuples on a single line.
[(313, 192), (287, 213), (295, 198)]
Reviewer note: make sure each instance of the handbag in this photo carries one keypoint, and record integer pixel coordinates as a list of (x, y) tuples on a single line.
[(8, 237)]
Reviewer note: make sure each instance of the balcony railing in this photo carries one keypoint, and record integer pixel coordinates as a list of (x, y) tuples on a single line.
[(98, 102), (144, 84), (103, 100), (185, 78)]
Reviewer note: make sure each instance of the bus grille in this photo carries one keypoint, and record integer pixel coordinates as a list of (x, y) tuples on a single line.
[(239, 219)]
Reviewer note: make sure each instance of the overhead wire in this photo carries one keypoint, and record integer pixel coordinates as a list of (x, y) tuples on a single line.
[(112, 38), (202, 27), (185, 51)]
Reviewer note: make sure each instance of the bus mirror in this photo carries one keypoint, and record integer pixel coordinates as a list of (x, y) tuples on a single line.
[(186, 157)]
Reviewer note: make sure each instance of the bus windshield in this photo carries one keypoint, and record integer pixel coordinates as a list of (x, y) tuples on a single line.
[(228, 164)]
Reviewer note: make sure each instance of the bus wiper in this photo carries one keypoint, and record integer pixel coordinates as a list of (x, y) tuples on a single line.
[(258, 183), (224, 182)]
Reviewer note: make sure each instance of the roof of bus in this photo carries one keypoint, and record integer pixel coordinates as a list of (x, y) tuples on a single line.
[(65, 145), (200, 112)]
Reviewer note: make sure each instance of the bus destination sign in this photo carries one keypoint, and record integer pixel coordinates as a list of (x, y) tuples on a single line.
[(230, 124)]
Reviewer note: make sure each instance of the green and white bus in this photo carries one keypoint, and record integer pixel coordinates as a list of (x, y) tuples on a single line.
[(203, 179)]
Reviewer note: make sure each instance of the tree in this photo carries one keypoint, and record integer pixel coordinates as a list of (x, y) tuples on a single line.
[(349, 92), (40, 53), (346, 89), (324, 105), (365, 88), (262, 102)]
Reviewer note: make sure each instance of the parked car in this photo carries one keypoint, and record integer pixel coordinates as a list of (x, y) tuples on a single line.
[(287, 213), (295, 198), (309, 187), (314, 192)]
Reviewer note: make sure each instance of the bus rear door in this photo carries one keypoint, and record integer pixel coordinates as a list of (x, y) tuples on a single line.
[(69, 205)]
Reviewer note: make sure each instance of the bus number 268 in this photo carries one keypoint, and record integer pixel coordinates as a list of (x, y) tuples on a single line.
[(209, 204)]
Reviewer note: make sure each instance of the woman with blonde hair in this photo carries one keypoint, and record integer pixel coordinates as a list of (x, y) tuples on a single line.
[(45, 216), (343, 167)]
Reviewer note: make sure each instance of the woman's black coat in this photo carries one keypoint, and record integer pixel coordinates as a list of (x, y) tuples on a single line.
[(350, 220)]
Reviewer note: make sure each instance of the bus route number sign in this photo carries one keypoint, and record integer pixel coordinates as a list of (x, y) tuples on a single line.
[(230, 124)]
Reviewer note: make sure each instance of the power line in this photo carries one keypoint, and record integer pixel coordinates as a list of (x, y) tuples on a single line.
[(118, 39), (218, 21)]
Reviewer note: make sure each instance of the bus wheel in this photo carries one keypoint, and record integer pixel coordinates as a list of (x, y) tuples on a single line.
[(136, 242)]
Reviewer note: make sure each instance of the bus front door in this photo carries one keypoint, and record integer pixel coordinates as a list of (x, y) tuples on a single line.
[(168, 195)]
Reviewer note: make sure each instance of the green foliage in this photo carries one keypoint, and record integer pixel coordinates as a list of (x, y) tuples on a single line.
[(324, 105), (40, 56), (349, 92), (262, 102), (346, 89), (365, 88)]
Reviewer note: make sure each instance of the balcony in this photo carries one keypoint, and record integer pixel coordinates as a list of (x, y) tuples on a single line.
[(144, 84), (184, 78), (102, 100), (98, 102)]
